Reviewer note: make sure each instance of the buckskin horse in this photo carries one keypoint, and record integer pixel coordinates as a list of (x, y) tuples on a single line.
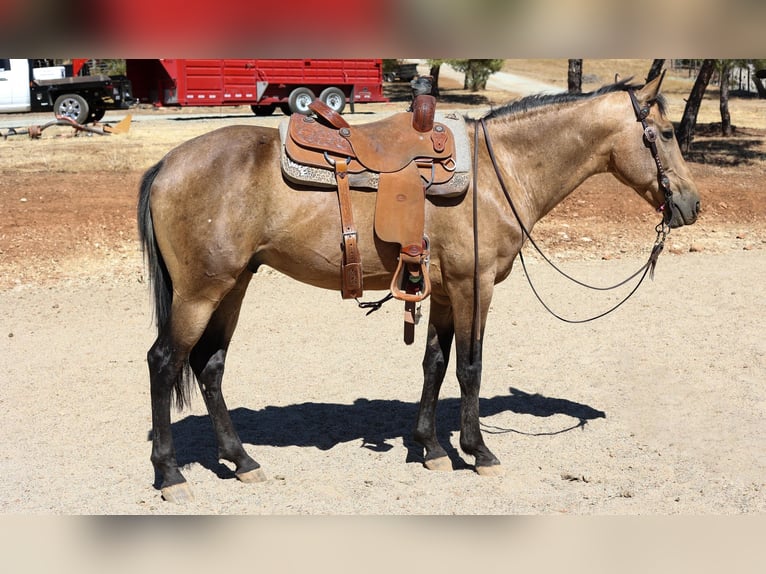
[(217, 207)]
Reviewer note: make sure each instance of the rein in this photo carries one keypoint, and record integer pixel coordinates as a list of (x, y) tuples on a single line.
[(662, 229)]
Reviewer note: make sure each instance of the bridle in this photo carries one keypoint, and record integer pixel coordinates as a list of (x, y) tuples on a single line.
[(662, 229), (650, 141)]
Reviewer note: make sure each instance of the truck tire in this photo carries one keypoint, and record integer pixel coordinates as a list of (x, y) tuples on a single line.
[(72, 106), (299, 101), (96, 114), (334, 98), (266, 110)]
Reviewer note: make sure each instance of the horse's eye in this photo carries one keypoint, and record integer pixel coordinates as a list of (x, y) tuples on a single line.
[(667, 134)]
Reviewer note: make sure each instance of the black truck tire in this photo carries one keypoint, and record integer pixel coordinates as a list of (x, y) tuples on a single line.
[(72, 106), (96, 114)]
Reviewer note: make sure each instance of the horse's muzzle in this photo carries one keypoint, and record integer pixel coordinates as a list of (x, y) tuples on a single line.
[(684, 213)]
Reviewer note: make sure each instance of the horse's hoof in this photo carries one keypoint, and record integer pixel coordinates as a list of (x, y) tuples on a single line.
[(490, 470), (442, 463), (251, 476), (178, 493)]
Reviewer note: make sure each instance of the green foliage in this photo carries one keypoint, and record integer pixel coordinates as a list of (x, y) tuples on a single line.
[(390, 65), (477, 72)]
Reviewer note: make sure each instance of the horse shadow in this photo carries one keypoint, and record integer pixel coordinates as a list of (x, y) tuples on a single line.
[(374, 423)]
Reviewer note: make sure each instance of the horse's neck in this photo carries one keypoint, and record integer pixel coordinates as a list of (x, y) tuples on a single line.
[(548, 152)]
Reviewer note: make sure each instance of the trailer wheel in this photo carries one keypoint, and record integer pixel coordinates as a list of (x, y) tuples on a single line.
[(266, 110), (72, 106), (335, 98), (299, 101)]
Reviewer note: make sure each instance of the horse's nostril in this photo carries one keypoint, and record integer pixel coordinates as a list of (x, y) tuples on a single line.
[(697, 208)]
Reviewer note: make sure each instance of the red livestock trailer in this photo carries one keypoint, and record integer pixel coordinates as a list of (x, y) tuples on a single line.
[(264, 85)]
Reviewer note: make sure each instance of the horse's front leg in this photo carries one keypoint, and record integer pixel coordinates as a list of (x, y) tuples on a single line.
[(468, 348), (469, 377), (440, 334)]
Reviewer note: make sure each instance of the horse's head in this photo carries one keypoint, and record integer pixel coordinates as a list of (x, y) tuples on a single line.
[(648, 159)]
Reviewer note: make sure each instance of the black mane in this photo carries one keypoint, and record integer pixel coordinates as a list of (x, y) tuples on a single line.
[(528, 103)]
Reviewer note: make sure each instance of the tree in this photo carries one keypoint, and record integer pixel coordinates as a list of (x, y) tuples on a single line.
[(574, 76), (477, 72), (759, 67), (724, 74), (689, 119), (655, 70), (435, 68)]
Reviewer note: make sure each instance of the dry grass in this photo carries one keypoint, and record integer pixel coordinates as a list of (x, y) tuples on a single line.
[(59, 151)]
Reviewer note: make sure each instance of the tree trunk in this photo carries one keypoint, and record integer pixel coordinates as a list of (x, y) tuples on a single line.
[(434, 72), (574, 76), (689, 119), (724, 100), (655, 70), (759, 86)]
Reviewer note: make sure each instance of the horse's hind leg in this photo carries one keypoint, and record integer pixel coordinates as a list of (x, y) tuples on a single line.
[(440, 334), (167, 360), (207, 361)]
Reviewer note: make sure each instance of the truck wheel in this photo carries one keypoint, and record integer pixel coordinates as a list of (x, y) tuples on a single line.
[(266, 110), (299, 101), (334, 98), (72, 106), (96, 114)]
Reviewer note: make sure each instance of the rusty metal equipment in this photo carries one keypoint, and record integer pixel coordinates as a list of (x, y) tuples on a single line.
[(36, 131)]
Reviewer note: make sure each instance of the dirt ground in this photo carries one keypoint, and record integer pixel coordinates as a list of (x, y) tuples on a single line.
[(656, 409)]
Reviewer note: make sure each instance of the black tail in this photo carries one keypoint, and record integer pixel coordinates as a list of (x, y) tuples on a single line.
[(158, 273), (159, 279)]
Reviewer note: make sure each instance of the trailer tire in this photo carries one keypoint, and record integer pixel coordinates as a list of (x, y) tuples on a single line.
[(334, 98), (266, 110), (72, 106), (299, 101)]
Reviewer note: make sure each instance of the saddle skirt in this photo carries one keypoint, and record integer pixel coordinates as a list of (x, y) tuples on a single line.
[(374, 148)]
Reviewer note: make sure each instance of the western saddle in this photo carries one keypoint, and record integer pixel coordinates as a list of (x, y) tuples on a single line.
[(406, 154)]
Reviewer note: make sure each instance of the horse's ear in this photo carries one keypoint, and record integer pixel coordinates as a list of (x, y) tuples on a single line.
[(648, 94)]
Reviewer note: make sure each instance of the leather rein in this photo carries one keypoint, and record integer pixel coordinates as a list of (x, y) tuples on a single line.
[(662, 229)]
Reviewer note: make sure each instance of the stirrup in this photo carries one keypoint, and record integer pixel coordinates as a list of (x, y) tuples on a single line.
[(414, 277)]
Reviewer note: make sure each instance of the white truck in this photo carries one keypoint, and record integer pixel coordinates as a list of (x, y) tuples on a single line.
[(37, 86)]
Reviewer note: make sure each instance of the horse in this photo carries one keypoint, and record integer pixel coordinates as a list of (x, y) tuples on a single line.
[(217, 207)]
